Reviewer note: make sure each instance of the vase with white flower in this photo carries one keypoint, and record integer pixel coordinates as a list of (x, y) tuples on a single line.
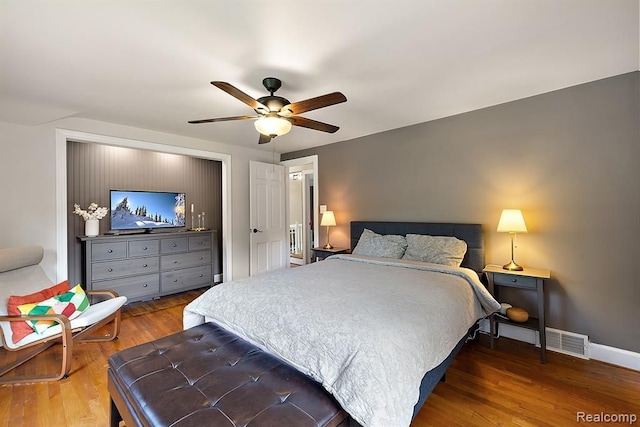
[(92, 216)]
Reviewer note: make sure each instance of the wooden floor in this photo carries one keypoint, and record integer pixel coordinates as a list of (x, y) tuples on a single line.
[(507, 386)]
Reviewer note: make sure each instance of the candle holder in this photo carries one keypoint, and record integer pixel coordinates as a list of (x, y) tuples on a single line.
[(201, 225)]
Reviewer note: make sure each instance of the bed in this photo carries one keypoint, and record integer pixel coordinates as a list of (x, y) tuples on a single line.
[(378, 332)]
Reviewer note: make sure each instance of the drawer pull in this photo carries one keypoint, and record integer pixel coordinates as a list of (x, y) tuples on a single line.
[(175, 262), (202, 275), (174, 245), (201, 257), (110, 251), (145, 265), (144, 249), (200, 242), (109, 270), (514, 280), (175, 280), (145, 285)]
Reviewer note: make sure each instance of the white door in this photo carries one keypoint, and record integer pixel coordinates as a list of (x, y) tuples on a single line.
[(269, 248)]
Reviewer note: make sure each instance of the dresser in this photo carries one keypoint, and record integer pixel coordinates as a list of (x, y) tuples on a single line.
[(146, 266)]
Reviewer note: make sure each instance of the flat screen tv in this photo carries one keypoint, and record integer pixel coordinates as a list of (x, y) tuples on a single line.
[(146, 210)]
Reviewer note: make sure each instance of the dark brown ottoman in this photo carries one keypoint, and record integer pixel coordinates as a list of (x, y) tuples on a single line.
[(206, 376)]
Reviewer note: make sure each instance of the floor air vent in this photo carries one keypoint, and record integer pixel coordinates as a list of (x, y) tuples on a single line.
[(568, 343)]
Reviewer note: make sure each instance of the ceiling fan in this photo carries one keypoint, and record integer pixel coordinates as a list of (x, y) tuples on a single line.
[(276, 114)]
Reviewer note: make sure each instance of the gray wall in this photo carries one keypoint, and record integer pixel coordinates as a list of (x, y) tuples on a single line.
[(569, 159), (94, 169)]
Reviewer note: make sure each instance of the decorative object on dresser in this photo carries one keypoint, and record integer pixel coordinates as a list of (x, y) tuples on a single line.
[(512, 222), (328, 220), (92, 217), (528, 279), (145, 266)]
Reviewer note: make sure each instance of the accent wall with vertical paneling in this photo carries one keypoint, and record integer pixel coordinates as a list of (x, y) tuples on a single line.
[(94, 169)]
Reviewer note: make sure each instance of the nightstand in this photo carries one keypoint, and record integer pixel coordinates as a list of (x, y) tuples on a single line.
[(531, 279), (321, 253)]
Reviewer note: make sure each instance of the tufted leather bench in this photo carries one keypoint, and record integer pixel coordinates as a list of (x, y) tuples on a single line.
[(208, 376)]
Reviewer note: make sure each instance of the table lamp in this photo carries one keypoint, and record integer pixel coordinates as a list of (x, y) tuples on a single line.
[(512, 222), (328, 220)]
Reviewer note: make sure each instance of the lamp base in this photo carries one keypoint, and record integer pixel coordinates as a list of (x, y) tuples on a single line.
[(328, 246), (512, 266)]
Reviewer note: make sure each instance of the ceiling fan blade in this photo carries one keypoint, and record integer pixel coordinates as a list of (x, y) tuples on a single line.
[(312, 124), (312, 104), (237, 93), (222, 119), (264, 139)]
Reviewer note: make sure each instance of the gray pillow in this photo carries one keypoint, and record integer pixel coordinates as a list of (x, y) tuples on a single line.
[(435, 249), (386, 246)]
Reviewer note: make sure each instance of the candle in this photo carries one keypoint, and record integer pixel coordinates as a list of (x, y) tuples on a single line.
[(191, 207)]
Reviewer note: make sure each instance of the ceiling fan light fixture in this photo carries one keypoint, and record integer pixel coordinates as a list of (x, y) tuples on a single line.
[(272, 125)]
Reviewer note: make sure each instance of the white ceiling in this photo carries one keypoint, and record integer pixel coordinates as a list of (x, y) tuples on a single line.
[(148, 63)]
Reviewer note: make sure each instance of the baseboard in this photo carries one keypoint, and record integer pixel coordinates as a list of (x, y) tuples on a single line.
[(217, 278), (615, 356)]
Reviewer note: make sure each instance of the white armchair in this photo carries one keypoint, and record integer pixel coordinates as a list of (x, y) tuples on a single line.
[(21, 274)]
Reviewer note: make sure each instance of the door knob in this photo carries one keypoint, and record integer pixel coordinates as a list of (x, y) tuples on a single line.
[(255, 230)]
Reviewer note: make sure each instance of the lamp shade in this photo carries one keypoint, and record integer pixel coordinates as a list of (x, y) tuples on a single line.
[(328, 219), (272, 125), (512, 221)]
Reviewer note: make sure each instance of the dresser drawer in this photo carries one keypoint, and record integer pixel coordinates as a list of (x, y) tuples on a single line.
[(197, 243), (191, 259), (514, 281), (169, 246), (186, 278), (126, 267), (108, 250), (132, 287), (144, 247)]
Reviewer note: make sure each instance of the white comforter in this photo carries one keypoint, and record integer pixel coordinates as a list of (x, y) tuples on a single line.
[(368, 329)]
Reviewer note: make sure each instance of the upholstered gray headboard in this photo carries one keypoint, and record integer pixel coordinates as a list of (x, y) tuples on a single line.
[(472, 234)]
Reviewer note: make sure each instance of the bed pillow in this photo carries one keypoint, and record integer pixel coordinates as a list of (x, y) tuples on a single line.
[(22, 329), (386, 246), (435, 249), (70, 304)]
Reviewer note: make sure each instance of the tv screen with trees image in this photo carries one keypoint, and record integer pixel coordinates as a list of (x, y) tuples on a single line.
[(131, 210)]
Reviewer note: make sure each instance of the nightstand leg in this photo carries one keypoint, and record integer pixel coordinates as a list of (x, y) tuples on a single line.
[(543, 329), (493, 325), (492, 330)]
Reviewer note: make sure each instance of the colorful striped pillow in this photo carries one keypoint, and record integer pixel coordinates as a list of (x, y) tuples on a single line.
[(70, 304), (22, 329)]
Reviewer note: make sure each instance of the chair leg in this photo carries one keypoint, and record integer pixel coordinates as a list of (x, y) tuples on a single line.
[(65, 366)]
